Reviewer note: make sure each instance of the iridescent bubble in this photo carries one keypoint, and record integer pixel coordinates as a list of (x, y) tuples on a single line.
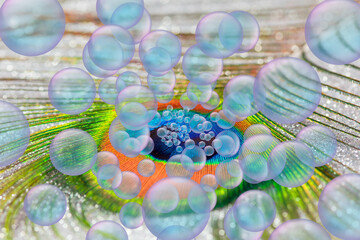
[(202, 144), (285, 94), (199, 68), (209, 151), (107, 90), (72, 91), (109, 176), (250, 27), (142, 28), (149, 147), (146, 168), (254, 210), (72, 152), (127, 79), (164, 198), (214, 117), (299, 229), (322, 142), (219, 34), (111, 47), (196, 124), (161, 132), (231, 116), (174, 168), (106, 230), (179, 149), (29, 30), (256, 129), (186, 103), (130, 186), (209, 180), (198, 201), (235, 232), (213, 102), (45, 204), (159, 52), (193, 159), (295, 172), (136, 106), (190, 223), (131, 215), (229, 174), (224, 122), (162, 84), (339, 206), (332, 31), (103, 158), (155, 122), (14, 133), (255, 166), (127, 14), (189, 144), (230, 143), (199, 93)]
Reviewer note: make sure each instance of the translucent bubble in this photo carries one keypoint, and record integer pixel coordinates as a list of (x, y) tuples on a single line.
[(284, 94), (295, 172), (202, 144), (130, 186), (209, 151), (72, 91), (107, 90), (127, 14), (161, 132), (199, 93), (111, 47), (235, 232), (14, 133), (214, 117), (142, 28), (256, 129), (332, 32), (127, 79), (254, 210), (191, 223), (146, 168), (321, 141), (131, 215), (105, 10), (92, 68), (239, 97), (136, 106), (196, 124), (162, 84), (219, 35), (31, 31), (72, 152), (159, 52), (189, 144), (198, 201), (224, 122), (229, 174), (299, 229), (213, 102), (164, 198), (149, 147), (250, 27), (338, 206), (193, 159), (186, 103), (45, 204), (255, 166), (179, 149), (209, 180), (103, 158), (199, 68), (109, 176), (174, 167), (230, 143), (106, 230)]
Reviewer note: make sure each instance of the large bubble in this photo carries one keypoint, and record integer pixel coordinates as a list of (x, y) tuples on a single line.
[(174, 168), (230, 143), (45, 205), (256, 129), (213, 102), (109, 176), (193, 159), (107, 90), (131, 215), (224, 122), (162, 84), (229, 174), (127, 15), (210, 181), (184, 220), (31, 28), (72, 91), (72, 152), (199, 93), (103, 158), (299, 229), (286, 94), (332, 31), (165, 98), (106, 230), (219, 35), (146, 168), (142, 28), (339, 206), (14, 133), (129, 187), (127, 79)]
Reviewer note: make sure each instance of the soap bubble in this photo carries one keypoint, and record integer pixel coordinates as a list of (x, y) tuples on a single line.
[(284, 93), (299, 229), (219, 34), (256, 129), (131, 215), (164, 198), (72, 91), (332, 32), (14, 133), (127, 14), (209, 151), (155, 122), (199, 68), (186, 103), (72, 152), (146, 168), (339, 206), (295, 172), (255, 166), (136, 106), (45, 204), (159, 52), (193, 159), (179, 149), (229, 174), (202, 144), (106, 230), (127, 79), (196, 124), (230, 143), (109, 176), (321, 141), (129, 187), (214, 117), (29, 30), (189, 144), (174, 168), (213, 102), (142, 28), (103, 158), (111, 47), (250, 27), (162, 84), (254, 210), (235, 232), (224, 122), (161, 132), (107, 90), (199, 93), (209, 180), (190, 223), (149, 147), (199, 201)]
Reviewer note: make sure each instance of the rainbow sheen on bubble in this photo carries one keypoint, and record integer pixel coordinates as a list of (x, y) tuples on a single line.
[(146, 168), (129, 187), (131, 215), (106, 230), (229, 174)]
